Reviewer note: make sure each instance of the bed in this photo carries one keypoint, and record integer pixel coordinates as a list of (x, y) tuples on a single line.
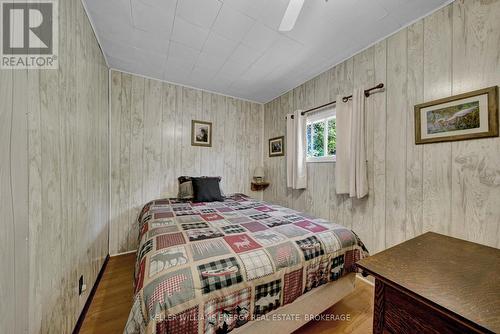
[(236, 265)]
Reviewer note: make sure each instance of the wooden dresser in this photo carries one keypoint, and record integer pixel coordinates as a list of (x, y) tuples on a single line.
[(436, 284)]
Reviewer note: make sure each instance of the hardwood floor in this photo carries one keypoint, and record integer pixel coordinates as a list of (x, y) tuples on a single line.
[(110, 307), (112, 301), (358, 306)]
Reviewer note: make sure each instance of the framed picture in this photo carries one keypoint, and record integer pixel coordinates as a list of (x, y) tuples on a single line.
[(466, 116), (201, 133), (277, 146)]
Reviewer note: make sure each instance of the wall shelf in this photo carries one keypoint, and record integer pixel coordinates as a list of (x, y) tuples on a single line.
[(260, 186)]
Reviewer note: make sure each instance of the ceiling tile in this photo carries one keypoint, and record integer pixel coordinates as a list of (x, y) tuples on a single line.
[(150, 19), (149, 41), (259, 69), (219, 45), (120, 64), (134, 60), (110, 8), (149, 72), (166, 6), (232, 24), (245, 54), (231, 77), (233, 67), (150, 59), (117, 50), (181, 51), (176, 65), (221, 83), (116, 28), (253, 8), (189, 34), (210, 61), (132, 67), (260, 37), (372, 12), (273, 14), (237, 87), (391, 4), (332, 25), (201, 13), (176, 74), (283, 50), (202, 74)]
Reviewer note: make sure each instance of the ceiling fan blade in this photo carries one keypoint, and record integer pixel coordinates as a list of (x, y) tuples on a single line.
[(291, 14)]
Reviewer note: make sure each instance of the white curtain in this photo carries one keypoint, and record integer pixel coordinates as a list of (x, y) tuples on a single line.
[(296, 172), (342, 165), (351, 169)]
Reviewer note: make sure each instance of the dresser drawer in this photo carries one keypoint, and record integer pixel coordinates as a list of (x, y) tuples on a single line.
[(405, 314)]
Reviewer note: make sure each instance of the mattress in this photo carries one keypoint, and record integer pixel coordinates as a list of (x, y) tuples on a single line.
[(212, 267)]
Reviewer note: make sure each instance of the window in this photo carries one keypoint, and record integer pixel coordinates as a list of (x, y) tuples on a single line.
[(321, 136)]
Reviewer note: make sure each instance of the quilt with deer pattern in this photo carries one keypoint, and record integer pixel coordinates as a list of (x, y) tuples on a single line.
[(211, 267)]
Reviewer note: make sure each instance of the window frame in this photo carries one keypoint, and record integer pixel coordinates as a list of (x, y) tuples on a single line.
[(321, 117)]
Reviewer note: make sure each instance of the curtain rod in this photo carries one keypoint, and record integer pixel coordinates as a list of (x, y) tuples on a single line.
[(344, 99)]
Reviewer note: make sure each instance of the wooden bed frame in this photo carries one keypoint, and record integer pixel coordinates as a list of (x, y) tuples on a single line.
[(313, 302)]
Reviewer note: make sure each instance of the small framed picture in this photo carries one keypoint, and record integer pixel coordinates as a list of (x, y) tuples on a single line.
[(466, 116), (277, 146), (201, 133)]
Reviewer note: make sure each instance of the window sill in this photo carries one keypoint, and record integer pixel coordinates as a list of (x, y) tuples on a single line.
[(321, 160)]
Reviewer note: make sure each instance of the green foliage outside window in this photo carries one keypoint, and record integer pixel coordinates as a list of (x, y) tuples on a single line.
[(316, 141), (332, 136), (318, 149)]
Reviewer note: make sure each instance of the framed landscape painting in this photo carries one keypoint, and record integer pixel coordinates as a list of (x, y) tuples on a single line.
[(201, 133), (277, 146), (466, 116)]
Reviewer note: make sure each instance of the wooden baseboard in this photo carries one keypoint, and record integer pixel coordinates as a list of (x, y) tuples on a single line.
[(79, 323), (123, 253)]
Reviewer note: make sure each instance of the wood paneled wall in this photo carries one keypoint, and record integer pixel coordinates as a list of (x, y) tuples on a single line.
[(450, 188), (151, 146), (14, 248), (69, 174), (54, 179)]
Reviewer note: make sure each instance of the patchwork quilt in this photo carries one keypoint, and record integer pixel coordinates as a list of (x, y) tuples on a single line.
[(212, 267)]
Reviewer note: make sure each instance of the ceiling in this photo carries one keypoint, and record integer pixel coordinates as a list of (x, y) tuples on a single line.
[(233, 47)]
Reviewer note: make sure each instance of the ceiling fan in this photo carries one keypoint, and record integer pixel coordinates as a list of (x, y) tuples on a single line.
[(291, 14)]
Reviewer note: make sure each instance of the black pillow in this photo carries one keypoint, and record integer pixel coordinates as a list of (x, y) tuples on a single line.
[(206, 189)]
